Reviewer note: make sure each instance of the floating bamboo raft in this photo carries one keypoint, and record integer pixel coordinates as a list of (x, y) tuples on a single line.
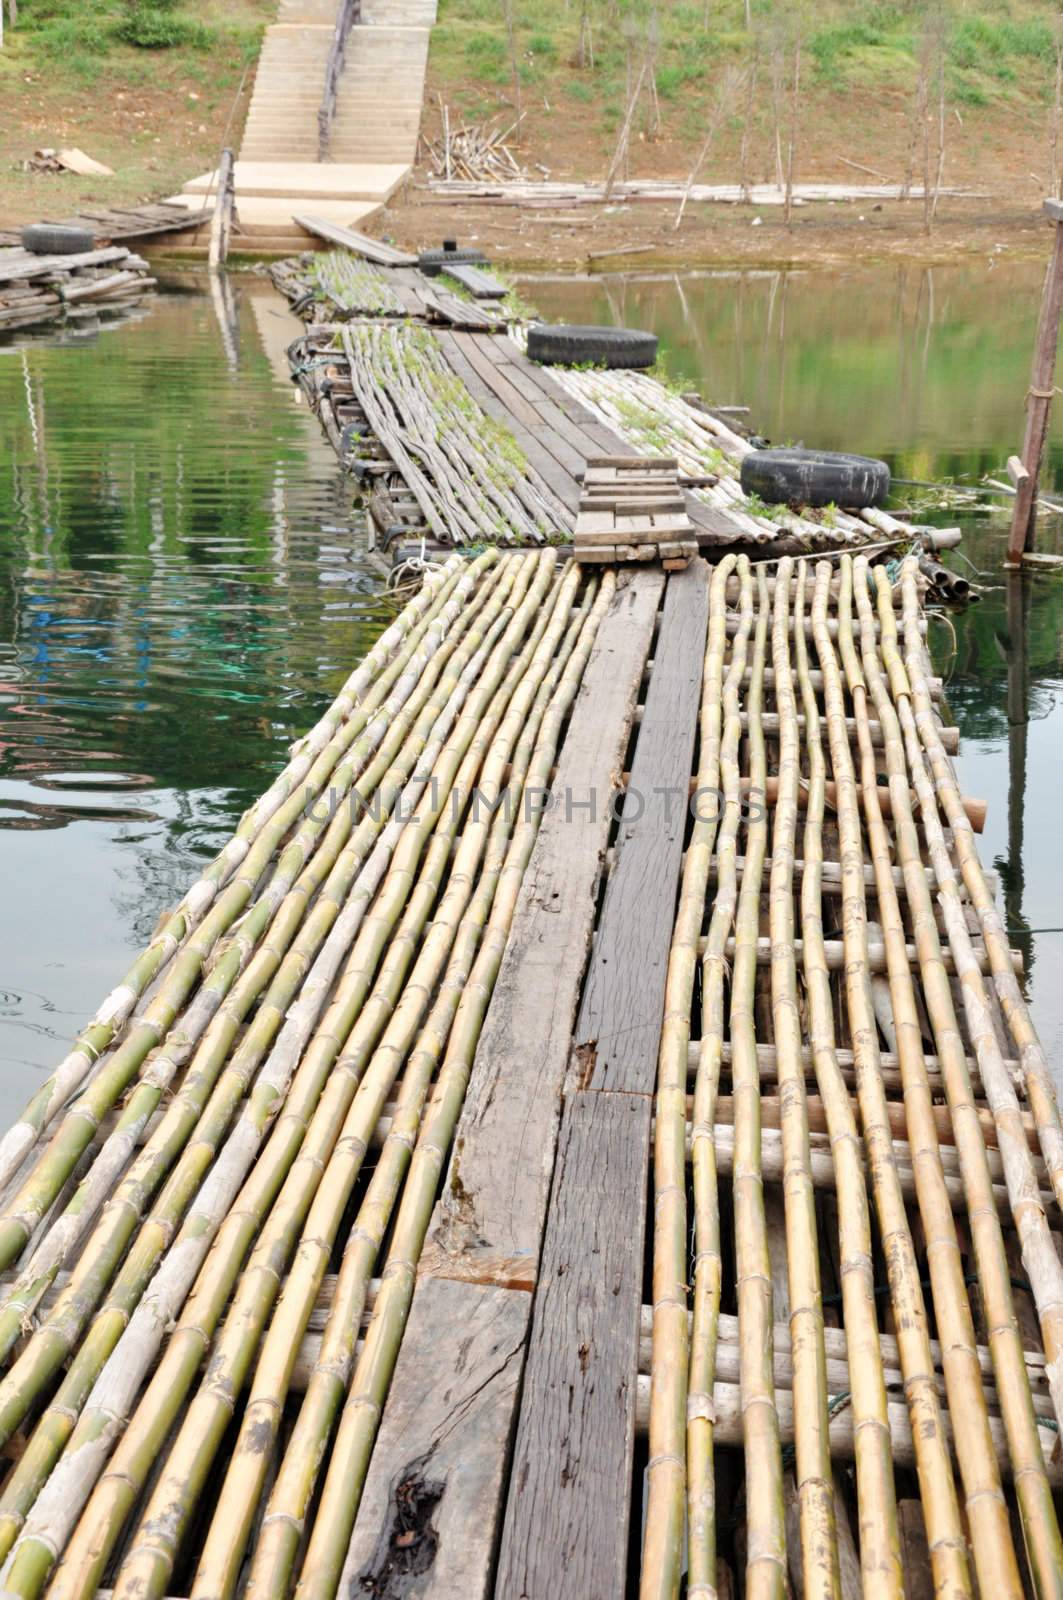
[(326, 1248), (36, 288)]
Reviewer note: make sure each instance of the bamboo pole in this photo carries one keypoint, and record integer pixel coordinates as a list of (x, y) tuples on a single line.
[(996, 1566), (1036, 1074), (945, 1535), (662, 1552), (820, 1569), (765, 1511), (880, 1557), (1039, 395)]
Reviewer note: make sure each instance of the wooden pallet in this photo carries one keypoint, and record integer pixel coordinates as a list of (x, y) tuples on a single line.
[(632, 508)]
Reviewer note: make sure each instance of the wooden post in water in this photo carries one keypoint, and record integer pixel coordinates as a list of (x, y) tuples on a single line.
[(221, 223), (1039, 395)]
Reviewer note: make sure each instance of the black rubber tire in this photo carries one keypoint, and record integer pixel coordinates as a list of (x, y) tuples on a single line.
[(815, 478), (433, 262), (569, 345), (51, 239)]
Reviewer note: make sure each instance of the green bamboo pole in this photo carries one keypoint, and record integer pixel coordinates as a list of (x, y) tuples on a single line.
[(147, 1565), (117, 1007), (105, 1250), (945, 1534), (484, 839), (661, 1555), (718, 772), (219, 1210), (64, 1327), (815, 1483), (765, 1577), (279, 910), (1036, 1071), (996, 1566), (279, 1541), (1044, 1547), (880, 1555), (345, 1477)]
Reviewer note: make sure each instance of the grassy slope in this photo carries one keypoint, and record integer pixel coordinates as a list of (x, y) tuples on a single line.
[(156, 116), (858, 78)]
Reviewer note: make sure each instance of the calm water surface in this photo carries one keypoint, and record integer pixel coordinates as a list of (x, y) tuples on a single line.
[(183, 583)]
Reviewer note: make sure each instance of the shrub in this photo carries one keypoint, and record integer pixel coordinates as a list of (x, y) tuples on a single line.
[(156, 25)]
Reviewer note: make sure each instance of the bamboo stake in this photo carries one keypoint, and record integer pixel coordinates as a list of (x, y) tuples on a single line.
[(765, 1510), (661, 1555), (821, 1573), (1036, 1073), (945, 1535), (880, 1556), (995, 1562)]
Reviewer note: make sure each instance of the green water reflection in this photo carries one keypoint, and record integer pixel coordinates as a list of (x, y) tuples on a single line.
[(182, 588), (928, 368)]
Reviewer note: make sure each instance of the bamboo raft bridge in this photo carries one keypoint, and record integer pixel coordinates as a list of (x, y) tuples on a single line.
[(584, 1134)]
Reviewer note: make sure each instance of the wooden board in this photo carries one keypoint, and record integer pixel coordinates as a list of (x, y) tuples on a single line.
[(623, 999), (446, 1447), (565, 1535), (481, 285), (385, 255), (23, 264)]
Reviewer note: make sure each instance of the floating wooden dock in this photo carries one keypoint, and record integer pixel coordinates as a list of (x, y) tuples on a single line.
[(583, 1135)]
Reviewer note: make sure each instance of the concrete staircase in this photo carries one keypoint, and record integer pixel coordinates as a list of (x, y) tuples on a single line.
[(374, 134)]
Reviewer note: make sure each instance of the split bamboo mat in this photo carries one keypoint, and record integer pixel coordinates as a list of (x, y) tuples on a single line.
[(337, 285), (583, 1136)]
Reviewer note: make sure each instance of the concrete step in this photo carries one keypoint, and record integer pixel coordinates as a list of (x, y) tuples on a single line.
[(298, 181), (319, 12)]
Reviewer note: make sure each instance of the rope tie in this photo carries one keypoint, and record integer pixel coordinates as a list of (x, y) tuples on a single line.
[(1041, 394)]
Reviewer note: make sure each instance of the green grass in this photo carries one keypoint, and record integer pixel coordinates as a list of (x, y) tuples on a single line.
[(996, 51), (79, 35)]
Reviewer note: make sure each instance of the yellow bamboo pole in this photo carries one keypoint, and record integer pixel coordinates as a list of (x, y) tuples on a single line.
[(664, 1521), (765, 1512), (815, 1485)]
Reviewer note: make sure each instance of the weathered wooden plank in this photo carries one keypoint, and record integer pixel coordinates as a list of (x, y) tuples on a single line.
[(566, 1525), (495, 1198), (623, 999), (384, 255), (481, 285), (433, 1497), (492, 372)]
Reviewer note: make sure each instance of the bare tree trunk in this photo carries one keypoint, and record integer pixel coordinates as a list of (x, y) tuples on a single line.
[(725, 97), (747, 122), (586, 37), (795, 104), (620, 154), (511, 35)]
